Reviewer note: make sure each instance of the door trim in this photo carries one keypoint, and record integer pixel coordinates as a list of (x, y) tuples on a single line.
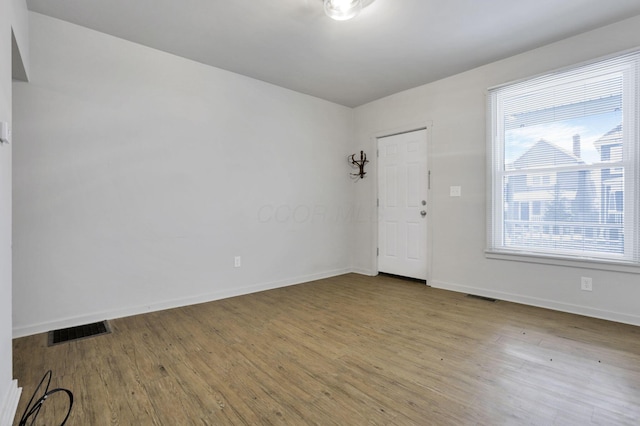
[(423, 125)]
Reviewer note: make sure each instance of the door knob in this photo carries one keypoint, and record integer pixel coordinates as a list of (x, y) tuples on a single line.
[(423, 213)]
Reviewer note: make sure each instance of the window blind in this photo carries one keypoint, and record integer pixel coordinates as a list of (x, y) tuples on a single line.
[(564, 163)]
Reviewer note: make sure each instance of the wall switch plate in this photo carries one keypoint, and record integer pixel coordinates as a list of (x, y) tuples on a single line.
[(586, 284), (455, 191), (237, 261)]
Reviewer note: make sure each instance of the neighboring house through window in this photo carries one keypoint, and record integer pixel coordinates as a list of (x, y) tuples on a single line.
[(564, 164)]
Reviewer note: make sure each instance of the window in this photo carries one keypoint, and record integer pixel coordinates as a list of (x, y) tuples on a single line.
[(564, 164), (540, 180), (536, 208)]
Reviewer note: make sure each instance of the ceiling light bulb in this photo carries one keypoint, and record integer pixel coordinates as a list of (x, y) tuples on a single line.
[(341, 10)]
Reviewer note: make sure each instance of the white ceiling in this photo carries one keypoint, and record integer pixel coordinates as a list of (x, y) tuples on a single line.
[(391, 46)]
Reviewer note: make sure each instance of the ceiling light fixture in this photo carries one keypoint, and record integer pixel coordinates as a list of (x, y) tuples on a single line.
[(341, 10)]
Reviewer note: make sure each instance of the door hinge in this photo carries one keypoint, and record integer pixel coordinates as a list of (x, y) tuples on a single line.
[(377, 251), (429, 180), (378, 202), (377, 153)]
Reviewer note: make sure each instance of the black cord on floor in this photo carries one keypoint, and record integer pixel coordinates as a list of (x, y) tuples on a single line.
[(32, 411)]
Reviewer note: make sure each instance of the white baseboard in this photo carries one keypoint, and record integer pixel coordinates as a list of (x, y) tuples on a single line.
[(541, 303), (169, 304), (363, 271), (10, 404)]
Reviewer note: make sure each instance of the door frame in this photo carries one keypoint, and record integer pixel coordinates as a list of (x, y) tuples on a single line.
[(423, 125)]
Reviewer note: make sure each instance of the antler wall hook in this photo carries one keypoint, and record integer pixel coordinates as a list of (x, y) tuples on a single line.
[(359, 164)]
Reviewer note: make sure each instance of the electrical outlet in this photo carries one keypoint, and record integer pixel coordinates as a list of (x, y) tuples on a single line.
[(455, 191), (586, 284), (237, 261)]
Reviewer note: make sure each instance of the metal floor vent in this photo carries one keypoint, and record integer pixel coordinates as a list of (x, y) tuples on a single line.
[(78, 332), (475, 296)]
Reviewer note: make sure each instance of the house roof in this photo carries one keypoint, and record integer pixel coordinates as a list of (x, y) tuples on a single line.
[(544, 153), (612, 137)]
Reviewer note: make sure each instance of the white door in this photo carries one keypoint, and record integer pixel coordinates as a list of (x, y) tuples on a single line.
[(402, 212)]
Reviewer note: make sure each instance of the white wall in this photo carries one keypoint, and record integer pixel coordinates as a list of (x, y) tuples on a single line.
[(20, 45), (12, 20), (5, 212), (456, 107), (139, 175)]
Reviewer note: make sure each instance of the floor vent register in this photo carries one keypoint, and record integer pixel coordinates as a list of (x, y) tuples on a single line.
[(78, 332)]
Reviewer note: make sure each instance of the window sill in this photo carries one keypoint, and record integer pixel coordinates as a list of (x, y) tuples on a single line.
[(623, 267)]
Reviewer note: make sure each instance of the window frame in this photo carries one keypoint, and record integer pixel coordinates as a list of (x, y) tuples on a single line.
[(629, 67)]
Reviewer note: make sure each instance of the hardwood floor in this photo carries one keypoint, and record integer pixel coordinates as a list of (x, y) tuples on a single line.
[(350, 350)]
